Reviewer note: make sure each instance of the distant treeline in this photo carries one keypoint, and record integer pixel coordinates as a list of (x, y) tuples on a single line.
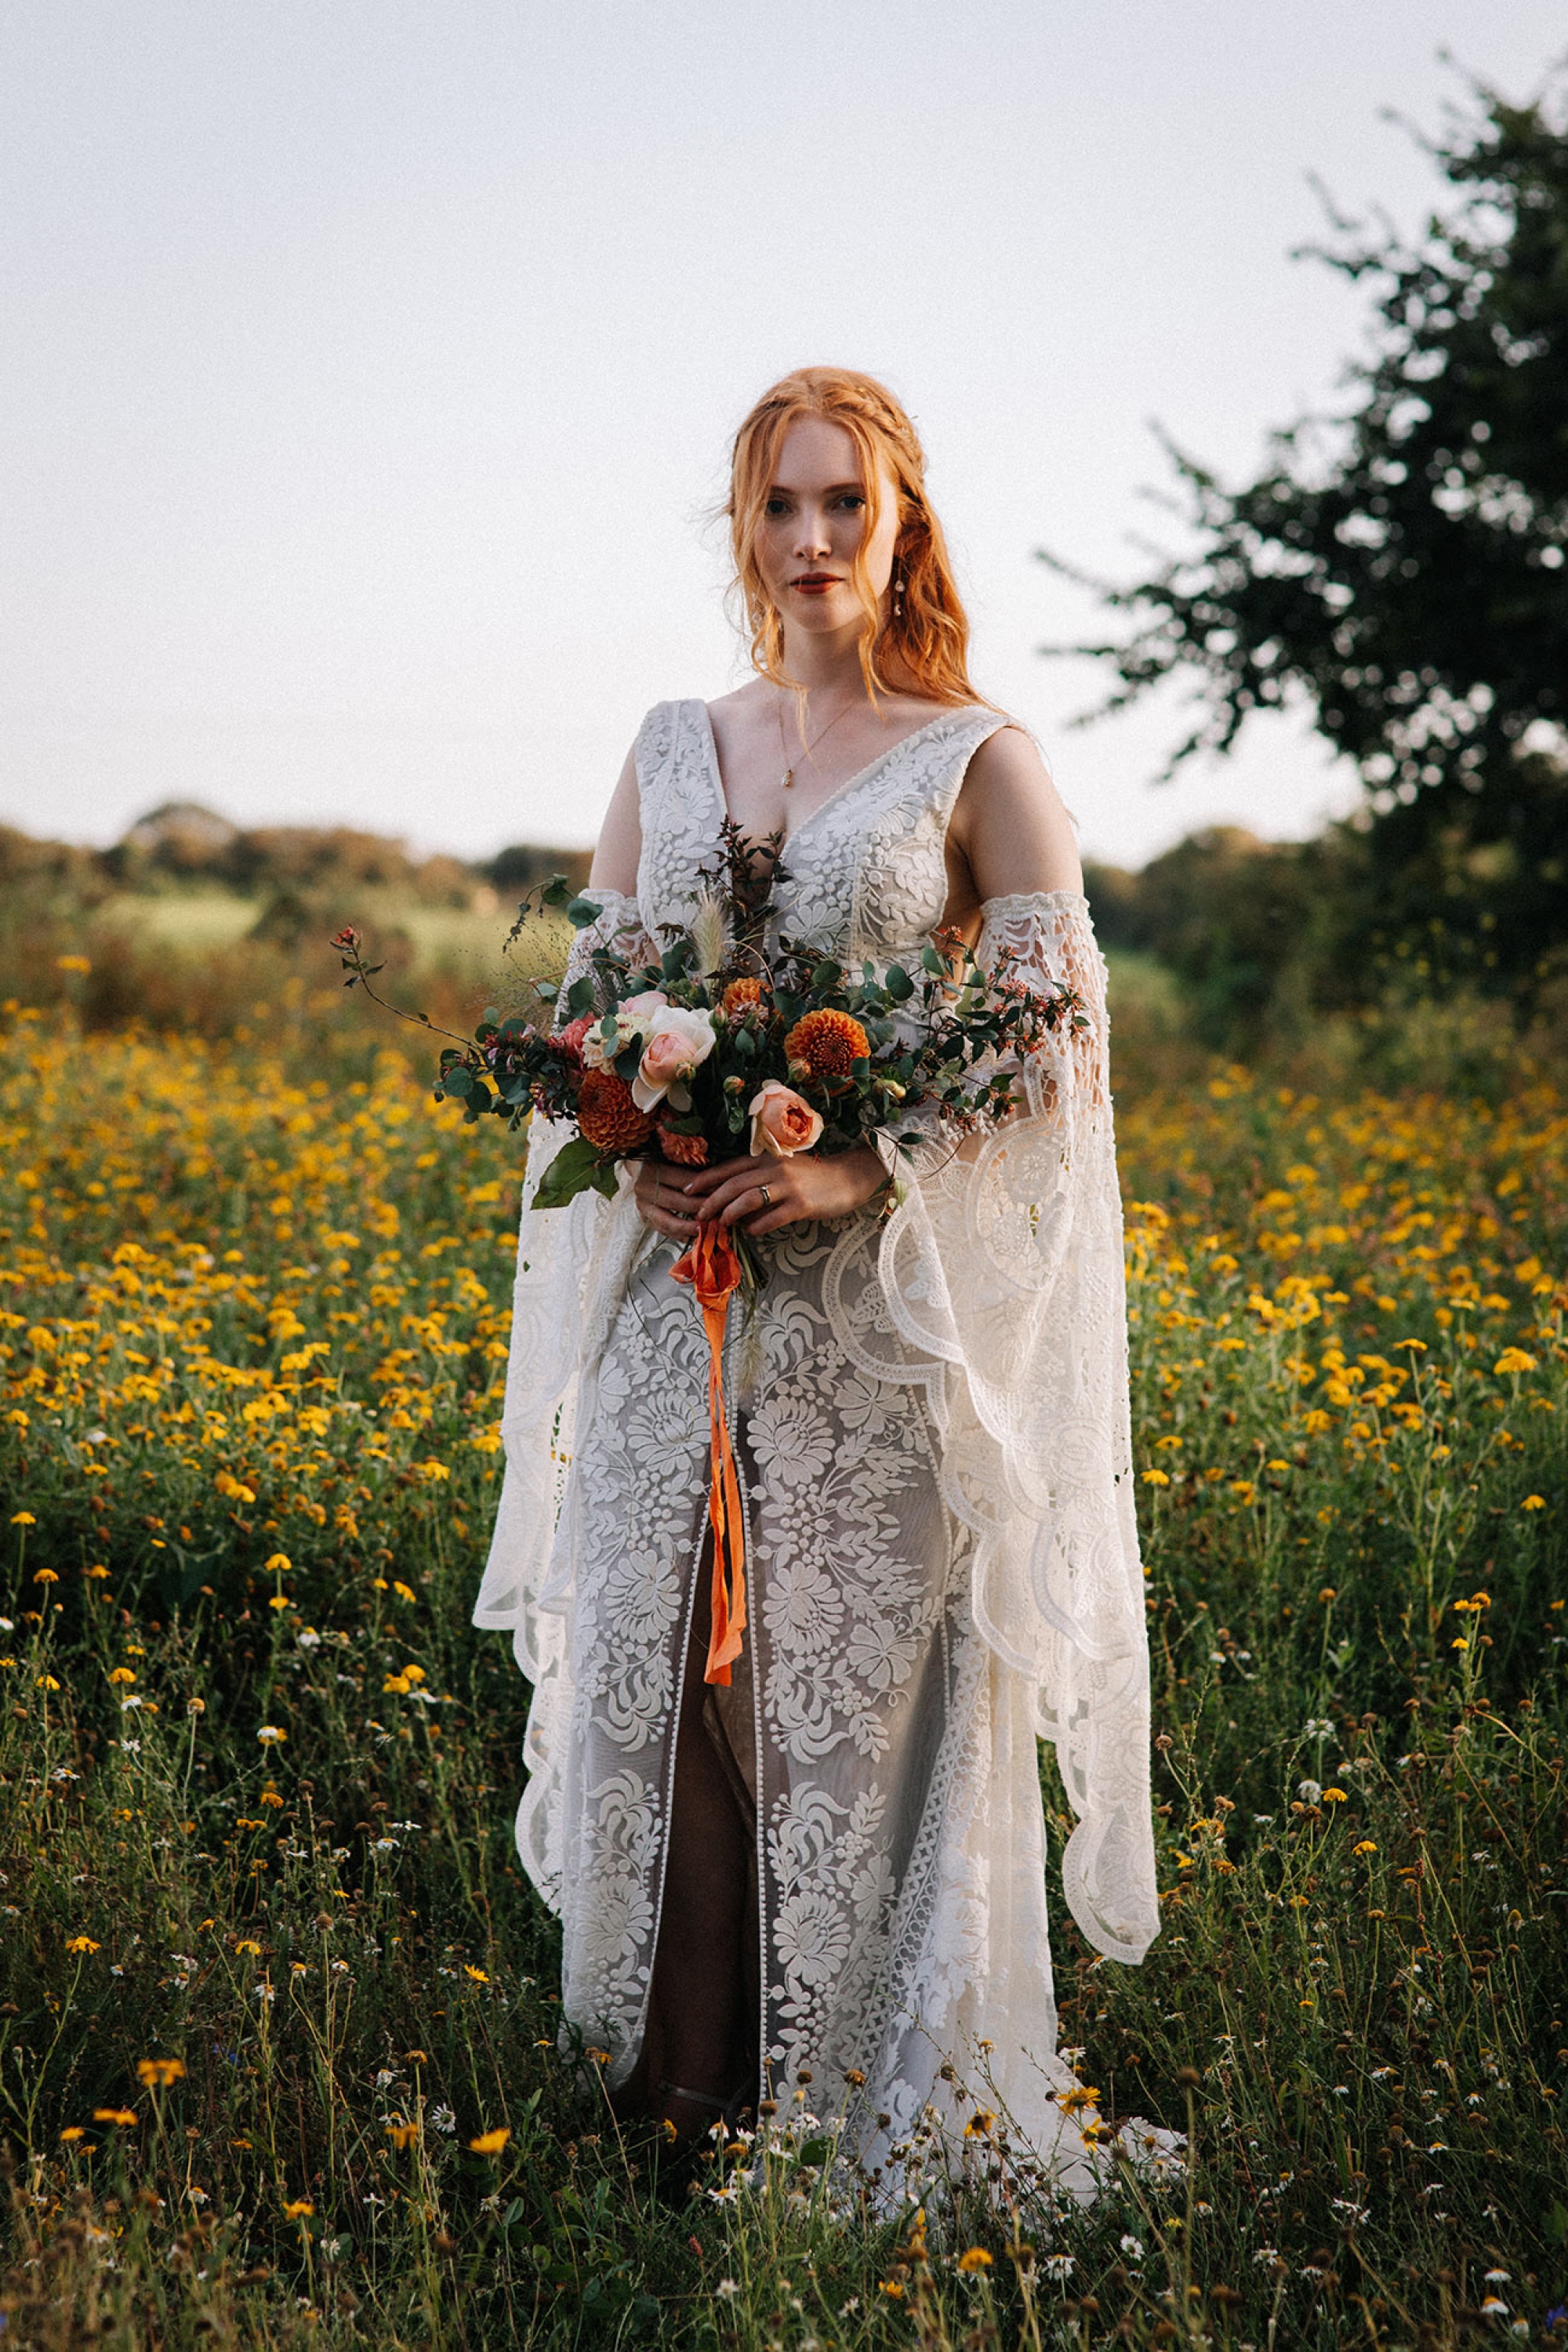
[(1268, 937), (182, 845), (1259, 943)]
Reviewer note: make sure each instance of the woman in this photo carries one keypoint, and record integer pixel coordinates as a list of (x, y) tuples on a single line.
[(833, 1871)]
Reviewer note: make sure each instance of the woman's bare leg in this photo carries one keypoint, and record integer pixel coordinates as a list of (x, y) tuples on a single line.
[(698, 2021)]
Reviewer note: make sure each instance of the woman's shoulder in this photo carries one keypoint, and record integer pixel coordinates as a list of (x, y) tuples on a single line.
[(1010, 752), (742, 700), (662, 712), (663, 726), (1010, 822), (754, 694)]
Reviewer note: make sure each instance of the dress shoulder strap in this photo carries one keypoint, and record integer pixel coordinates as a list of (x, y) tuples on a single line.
[(655, 742), (679, 804)]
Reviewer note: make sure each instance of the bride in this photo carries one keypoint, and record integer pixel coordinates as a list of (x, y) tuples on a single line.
[(833, 1870)]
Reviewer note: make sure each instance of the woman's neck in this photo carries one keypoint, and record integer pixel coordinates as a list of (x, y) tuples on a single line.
[(827, 667)]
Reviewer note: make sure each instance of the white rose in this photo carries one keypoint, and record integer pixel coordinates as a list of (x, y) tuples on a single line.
[(625, 1025), (676, 1042)]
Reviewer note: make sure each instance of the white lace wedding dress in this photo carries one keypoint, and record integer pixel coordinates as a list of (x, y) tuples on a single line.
[(930, 1419)]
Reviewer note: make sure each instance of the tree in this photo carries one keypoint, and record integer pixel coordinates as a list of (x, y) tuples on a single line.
[(1403, 568)]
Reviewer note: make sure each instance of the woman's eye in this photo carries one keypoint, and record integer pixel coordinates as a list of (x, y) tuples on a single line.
[(775, 507), (852, 498)]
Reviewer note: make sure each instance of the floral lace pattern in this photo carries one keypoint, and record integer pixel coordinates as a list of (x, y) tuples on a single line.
[(931, 1423)]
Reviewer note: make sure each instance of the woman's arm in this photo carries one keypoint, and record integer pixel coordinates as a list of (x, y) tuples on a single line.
[(612, 885), (614, 866), (1009, 833)]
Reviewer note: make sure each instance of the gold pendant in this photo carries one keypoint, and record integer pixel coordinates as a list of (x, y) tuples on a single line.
[(788, 777)]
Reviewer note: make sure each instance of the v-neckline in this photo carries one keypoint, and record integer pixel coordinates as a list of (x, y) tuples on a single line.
[(716, 773)]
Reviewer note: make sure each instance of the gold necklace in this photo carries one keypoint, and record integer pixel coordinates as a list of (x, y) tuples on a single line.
[(788, 777)]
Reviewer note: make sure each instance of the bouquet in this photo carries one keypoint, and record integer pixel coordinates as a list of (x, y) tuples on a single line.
[(725, 1046)]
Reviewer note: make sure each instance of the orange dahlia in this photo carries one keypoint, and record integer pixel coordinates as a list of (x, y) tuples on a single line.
[(607, 1115), (740, 994), (827, 1043), (686, 1150)]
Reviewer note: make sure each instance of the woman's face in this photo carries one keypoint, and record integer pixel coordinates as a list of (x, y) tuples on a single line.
[(813, 522)]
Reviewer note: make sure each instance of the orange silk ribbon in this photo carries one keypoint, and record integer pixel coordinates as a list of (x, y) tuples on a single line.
[(712, 1268)]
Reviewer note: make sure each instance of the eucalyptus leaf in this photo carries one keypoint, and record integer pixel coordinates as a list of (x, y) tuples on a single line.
[(577, 1167)]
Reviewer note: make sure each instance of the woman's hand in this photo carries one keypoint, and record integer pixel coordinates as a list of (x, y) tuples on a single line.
[(663, 1198), (762, 1194)]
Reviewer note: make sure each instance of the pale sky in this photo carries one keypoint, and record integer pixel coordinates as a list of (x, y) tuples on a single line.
[(368, 367)]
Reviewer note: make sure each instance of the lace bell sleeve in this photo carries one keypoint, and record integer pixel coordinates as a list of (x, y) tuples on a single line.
[(569, 1260), (1004, 1259), (1048, 943)]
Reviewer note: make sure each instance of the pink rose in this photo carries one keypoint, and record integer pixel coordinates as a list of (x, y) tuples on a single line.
[(637, 1011), (572, 1037), (676, 1042), (781, 1122)]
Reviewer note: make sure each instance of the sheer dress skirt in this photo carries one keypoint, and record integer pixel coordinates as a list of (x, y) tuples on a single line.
[(849, 1719)]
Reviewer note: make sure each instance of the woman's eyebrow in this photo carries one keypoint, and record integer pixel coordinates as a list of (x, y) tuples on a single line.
[(834, 489)]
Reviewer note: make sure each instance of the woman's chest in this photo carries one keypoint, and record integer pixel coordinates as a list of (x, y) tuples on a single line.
[(865, 872)]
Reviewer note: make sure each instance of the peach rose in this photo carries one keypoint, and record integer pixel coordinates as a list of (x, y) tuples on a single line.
[(676, 1042), (781, 1122)]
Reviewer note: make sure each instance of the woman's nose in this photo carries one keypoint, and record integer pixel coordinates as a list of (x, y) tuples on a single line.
[(811, 534)]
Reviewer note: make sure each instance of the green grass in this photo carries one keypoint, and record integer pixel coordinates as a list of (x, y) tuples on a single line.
[(252, 1336), (194, 922)]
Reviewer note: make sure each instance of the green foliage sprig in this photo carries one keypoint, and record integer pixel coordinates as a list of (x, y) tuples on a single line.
[(944, 1034)]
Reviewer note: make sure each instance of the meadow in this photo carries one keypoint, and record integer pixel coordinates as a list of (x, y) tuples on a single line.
[(279, 2052)]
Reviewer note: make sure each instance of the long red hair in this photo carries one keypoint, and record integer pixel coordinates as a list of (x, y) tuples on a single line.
[(928, 641)]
